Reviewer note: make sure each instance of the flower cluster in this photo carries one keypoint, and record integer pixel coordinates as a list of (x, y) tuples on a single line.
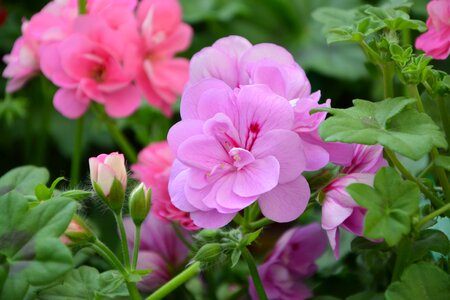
[(153, 169), (436, 41), (246, 135), (113, 54), (291, 261)]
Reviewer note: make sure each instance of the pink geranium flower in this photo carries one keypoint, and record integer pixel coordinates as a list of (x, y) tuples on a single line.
[(234, 148), (160, 250), (87, 66), (339, 209), (153, 169), (161, 76), (290, 263), (436, 41)]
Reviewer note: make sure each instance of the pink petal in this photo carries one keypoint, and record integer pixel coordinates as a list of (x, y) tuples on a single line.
[(181, 131), (258, 177), (234, 46), (334, 238), (334, 214), (316, 156), (50, 63), (123, 102), (286, 146), (176, 191), (178, 40), (69, 105), (211, 219), (287, 201)]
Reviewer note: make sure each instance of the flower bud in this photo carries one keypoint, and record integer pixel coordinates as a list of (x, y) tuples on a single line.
[(209, 253), (140, 202), (77, 232), (109, 178)]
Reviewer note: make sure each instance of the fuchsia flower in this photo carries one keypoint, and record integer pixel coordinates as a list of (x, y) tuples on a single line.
[(160, 250), (290, 263), (107, 167), (436, 41), (153, 169), (338, 208), (161, 76), (234, 148)]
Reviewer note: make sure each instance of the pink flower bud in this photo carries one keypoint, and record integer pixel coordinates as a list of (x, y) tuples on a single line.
[(107, 167)]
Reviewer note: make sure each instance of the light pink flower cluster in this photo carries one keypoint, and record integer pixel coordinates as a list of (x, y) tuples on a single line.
[(436, 41), (160, 250), (153, 169), (114, 54), (246, 134), (291, 262), (338, 208)]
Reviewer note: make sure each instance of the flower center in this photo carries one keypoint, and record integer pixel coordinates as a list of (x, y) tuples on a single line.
[(241, 157)]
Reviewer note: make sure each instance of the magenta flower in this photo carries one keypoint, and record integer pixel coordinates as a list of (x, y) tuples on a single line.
[(153, 169), (436, 41), (87, 66), (234, 148), (290, 263), (160, 250), (339, 209), (160, 76)]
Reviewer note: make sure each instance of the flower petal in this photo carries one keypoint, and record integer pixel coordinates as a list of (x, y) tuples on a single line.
[(211, 219)]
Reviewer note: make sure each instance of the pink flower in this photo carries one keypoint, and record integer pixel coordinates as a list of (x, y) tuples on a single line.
[(291, 262), (160, 76), (234, 148), (87, 65), (160, 250), (436, 41), (339, 209), (153, 169), (107, 167)]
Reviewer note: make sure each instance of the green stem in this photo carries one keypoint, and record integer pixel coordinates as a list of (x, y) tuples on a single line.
[(394, 160), (440, 172), (133, 291), (109, 256), (41, 147), (137, 241), (239, 220), (426, 170), (82, 9), (117, 135), (260, 223), (388, 80), (123, 239), (402, 257), (254, 273), (175, 282), (76, 155), (432, 215), (444, 117), (371, 55), (181, 236)]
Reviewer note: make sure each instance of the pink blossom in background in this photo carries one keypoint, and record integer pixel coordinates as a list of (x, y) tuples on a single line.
[(160, 75), (234, 148), (160, 250), (436, 41), (338, 208), (290, 263), (153, 169), (107, 167), (87, 67)]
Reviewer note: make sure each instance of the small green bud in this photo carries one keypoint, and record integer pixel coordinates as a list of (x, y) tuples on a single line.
[(208, 234), (140, 202), (208, 253)]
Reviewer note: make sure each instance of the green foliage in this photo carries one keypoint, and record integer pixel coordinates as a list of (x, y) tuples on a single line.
[(23, 180), (420, 281), (429, 240), (390, 123), (390, 205), (30, 245), (443, 162), (86, 283)]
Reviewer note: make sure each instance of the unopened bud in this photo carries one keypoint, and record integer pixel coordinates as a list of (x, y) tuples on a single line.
[(77, 232), (140, 202), (208, 253)]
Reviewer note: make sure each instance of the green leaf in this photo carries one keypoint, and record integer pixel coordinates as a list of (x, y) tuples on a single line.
[(390, 205), (443, 162), (430, 240), (42, 192), (422, 281), (389, 123), (23, 180), (395, 19), (367, 295), (86, 283), (250, 237), (235, 255), (77, 195), (29, 242)]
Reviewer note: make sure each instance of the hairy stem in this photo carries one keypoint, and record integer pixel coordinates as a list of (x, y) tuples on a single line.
[(254, 273), (76, 155), (432, 215), (137, 241), (175, 282), (123, 239)]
